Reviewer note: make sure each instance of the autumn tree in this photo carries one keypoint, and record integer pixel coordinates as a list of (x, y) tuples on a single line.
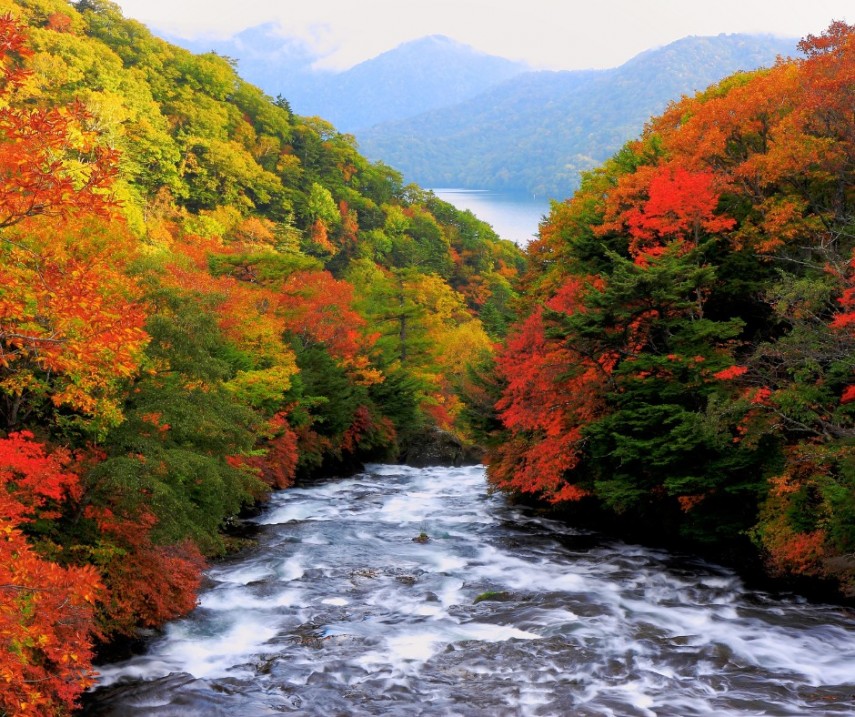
[(70, 319), (715, 252), (46, 611), (50, 162)]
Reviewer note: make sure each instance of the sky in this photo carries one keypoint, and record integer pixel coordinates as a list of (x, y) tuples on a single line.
[(547, 34)]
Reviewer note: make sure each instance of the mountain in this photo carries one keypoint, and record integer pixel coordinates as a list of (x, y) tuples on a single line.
[(537, 131), (262, 54), (413, 78)]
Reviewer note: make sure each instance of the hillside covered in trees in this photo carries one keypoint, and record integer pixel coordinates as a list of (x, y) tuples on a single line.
[(201, 297), (686, 365)]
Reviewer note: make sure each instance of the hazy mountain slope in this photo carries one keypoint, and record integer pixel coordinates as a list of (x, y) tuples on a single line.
[(262, 55), (412, 78), (538, 130)]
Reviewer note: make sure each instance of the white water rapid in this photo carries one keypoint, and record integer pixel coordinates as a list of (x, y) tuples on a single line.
[(409, 592)]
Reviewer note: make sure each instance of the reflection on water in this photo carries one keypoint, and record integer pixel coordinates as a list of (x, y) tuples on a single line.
[(513, 215), (343, 609)]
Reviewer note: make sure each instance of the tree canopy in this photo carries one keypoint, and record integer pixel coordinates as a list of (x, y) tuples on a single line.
[(687, 361)]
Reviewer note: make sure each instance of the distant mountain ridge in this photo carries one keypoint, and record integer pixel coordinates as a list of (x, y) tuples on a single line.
[(445, 114), (537, 131), (414, 77), (262, 54)]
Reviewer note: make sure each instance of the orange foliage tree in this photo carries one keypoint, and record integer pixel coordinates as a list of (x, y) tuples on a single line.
[(50, 163), (70, 319), (46, 611), (145, 583), (679, 207), (552, 391), (318, 309)]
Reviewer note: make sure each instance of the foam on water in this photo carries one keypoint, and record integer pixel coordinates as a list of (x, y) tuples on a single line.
[(346, 608)]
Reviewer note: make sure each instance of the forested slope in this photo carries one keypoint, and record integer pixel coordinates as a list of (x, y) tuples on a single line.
[(201, 295), (687, 364)]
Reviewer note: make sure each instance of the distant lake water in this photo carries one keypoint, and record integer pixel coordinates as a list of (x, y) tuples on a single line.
[(514, 216)]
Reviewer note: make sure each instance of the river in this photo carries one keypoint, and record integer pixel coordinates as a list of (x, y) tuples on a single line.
[(513, 215), (409, 592)]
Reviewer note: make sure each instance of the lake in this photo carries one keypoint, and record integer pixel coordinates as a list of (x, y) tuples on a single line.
[(514, 215)]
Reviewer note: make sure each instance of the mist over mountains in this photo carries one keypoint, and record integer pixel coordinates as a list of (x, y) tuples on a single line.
[(415, 77), (445, 114)]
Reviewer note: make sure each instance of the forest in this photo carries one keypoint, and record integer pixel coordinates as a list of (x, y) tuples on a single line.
[(686, 361), (204, 297)]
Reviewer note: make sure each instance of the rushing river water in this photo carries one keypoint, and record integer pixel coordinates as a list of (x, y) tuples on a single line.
[(339, 611)]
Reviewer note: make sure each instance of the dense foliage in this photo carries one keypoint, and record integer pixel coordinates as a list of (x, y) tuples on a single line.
[(201, 295), (688, 358)]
